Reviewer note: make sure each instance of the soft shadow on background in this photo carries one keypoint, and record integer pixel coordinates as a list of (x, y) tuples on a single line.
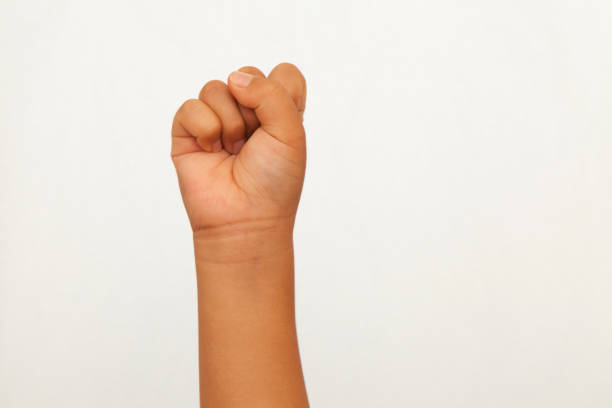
[(454, 237)]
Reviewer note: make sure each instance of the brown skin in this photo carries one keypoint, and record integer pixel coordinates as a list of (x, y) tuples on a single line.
[(241, 197)]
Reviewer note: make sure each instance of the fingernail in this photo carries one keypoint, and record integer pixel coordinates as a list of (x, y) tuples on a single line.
[(240, 79), (217, 146), (237, 146)]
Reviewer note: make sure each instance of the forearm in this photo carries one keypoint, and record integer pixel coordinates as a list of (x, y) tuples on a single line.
[(248, 344), (240, 156)]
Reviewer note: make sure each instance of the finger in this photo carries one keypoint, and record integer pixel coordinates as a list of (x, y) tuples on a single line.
[(217, 96), (250, 119), (290, 77), (194, 119), (273, 106)]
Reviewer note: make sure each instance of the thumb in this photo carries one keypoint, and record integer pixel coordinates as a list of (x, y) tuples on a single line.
[(274, 107)]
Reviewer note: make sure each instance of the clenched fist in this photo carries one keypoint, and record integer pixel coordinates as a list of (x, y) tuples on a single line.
[(240, 154), (239, 149)]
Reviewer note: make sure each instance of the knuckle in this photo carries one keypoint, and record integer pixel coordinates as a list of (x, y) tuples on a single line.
[(287, 66), (276, 89), (214, 126), (249, 69), (278, 94), (234, 128), (197, 120), (188, 107), (213, 87), (293, 70)]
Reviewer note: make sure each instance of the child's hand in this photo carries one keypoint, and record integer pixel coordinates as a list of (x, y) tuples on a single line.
[(239, 150), (240, 156)]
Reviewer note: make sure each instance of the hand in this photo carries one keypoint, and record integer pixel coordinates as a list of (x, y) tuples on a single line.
[(240, 155), (239, 150)]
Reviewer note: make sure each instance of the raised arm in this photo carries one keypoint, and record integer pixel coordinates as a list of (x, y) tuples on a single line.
[(239, 151)]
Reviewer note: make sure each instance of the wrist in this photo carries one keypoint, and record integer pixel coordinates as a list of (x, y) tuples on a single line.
[(247, 330), (246, 242), (246, 269)]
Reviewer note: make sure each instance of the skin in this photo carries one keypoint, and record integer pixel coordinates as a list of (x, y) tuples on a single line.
[(240, 156)]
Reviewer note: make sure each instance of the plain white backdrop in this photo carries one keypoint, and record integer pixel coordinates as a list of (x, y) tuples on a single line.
[(454, 239)]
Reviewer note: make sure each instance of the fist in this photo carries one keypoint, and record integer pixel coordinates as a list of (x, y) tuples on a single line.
[(240, 151)]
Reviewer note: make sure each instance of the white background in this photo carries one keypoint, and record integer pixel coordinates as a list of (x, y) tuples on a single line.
[(454, 240)]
